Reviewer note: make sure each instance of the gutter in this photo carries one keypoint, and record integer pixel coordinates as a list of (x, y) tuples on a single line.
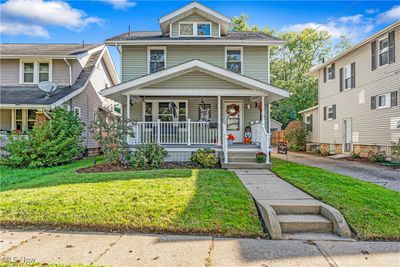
[(70, 71)]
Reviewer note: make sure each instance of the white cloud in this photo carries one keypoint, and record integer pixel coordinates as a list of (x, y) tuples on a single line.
[(351, 19), (332, 28), (372, 11), (120, 4), (390, 15), (57, 13), (21, 29)]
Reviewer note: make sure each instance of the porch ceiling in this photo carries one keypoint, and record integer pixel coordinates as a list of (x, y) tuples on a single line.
[(176, 81)]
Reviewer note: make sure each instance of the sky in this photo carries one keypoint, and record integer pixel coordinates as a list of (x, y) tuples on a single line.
[(62, 21)]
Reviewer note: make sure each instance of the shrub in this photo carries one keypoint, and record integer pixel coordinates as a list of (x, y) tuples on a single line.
[(261, 157), (377, 157), (296, 135), (50, 143), (148, 156), (396, 151), (354, 155), (205, 157), (111, 133)]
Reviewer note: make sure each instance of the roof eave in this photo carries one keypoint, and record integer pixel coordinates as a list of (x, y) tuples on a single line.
[(176, 41)]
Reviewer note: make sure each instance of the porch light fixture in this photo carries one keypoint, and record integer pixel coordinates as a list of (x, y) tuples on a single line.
[(248, 106)]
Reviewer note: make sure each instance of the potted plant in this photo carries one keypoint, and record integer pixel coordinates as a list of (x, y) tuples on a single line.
[(231, 138), (261, 157)]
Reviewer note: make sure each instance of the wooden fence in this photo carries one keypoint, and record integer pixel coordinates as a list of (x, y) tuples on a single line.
[(278, 136)]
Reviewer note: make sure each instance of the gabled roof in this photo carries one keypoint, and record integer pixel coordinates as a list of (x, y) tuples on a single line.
[(242, 80), (156, 37), (45, 50), (314, 71), (195, 7), (32, 96)]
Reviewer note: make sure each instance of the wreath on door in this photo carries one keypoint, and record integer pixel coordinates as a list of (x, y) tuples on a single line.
[(232, 109)]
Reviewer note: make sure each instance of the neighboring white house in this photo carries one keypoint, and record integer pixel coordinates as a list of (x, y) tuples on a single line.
[(311, 120), (275, 126), (79, 71), (194, 82), (358, 101)]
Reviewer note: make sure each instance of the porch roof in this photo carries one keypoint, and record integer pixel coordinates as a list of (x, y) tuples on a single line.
[(252, 87)]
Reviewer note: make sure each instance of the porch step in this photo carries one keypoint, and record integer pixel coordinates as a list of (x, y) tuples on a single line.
[(246, 154), (296, 208), (245, 165), (240, 158), (295, 223)]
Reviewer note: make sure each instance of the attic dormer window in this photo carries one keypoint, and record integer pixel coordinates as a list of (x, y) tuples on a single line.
[(189, 29)]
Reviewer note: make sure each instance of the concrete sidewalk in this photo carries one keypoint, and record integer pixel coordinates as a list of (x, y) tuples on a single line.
[(389, 178), (175, 250)]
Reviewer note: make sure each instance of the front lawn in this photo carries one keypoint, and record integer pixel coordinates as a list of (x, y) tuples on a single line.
[(372, 211), (178, 201)]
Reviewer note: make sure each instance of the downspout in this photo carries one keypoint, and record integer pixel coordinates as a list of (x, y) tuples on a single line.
[(70, 70)]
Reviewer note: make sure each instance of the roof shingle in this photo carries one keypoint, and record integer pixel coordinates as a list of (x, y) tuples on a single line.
[(45, 49)]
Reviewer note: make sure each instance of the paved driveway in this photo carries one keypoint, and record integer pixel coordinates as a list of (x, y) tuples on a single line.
[(383, 176)]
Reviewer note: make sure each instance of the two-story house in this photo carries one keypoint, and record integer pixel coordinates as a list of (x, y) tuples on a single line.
[(359, 107), (194, 82), (78, 73)]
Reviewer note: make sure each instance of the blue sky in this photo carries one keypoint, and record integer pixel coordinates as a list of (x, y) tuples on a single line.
[(61, 21)]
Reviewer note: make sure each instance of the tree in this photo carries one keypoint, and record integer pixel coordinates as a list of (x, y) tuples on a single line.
[(343, 44), (240, 24)]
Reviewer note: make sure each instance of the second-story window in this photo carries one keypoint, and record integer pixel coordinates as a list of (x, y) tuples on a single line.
[(44, 72), (157, 59), (331, 72), (29, 72), (202, 29), (186, 29), (234, 59), (383, 51), (347, 77), (35, 71)]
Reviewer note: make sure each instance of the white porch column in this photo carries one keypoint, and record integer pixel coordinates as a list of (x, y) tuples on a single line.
[(219, 120), (13, 119), (128, 107), (263, 111), (269, 118)]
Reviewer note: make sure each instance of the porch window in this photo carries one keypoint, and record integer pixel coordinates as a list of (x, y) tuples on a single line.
[(234, 60), (31, 118), (383, 51), (182, 111), (148, 111), (157, 59), (164, 112), (18, 119), (44, 72), (28, 68)]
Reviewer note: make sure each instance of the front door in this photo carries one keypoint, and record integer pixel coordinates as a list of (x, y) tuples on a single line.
[(347, 136), (233, 118)]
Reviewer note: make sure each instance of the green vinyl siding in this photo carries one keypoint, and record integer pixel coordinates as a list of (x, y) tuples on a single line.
[(255, 59)]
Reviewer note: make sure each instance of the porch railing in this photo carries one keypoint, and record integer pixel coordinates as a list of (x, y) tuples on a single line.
[(225, 143), (171, 132)]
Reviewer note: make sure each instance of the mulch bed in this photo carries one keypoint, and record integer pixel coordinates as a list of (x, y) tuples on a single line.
[(108, 167)]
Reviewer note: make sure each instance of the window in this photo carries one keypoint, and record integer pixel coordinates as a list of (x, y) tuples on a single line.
[(18, 119), (330, 112), (182, 111), (31, 118), (164, 111), (44, 72), (383, 51), (383, 101), (148, 111), (195, 29), (347, 77), (35, 71), (309, 123), (157, 59), (234, 60), (186, 29), (77, 111), (331, 70), (204, 29), (24, 119)]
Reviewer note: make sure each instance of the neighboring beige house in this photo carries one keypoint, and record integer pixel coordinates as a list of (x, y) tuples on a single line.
[(359, 96), (79, 71), (194, 82), (311, 120)]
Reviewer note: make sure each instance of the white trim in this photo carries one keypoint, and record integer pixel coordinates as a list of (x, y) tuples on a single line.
[(175, 41), (268, 64), (149, 48), (241, 102), (219, 30), (386, 49), (194, 28), (191, 6), (36, 63), (201, 66), (76, 108), (308, 109), (241, 56)]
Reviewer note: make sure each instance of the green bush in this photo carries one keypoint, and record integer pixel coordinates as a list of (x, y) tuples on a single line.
[(205, 157), (354, 155), (296, 135), (148, 156), (50, 143), (377, 157)]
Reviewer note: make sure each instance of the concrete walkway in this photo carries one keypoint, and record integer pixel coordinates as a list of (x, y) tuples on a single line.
[(389, 178), (173, 250)]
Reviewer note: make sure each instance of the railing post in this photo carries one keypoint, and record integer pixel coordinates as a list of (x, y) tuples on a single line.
[(158, 132), (188, 127)]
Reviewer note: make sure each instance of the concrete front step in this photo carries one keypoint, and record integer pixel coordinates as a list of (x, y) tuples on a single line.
[(245, 165), (292, 223), (296, 208), (242, 159), (243, 154)]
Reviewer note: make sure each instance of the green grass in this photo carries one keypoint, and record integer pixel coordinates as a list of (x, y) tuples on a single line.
[(372, 211), (178, 201)]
